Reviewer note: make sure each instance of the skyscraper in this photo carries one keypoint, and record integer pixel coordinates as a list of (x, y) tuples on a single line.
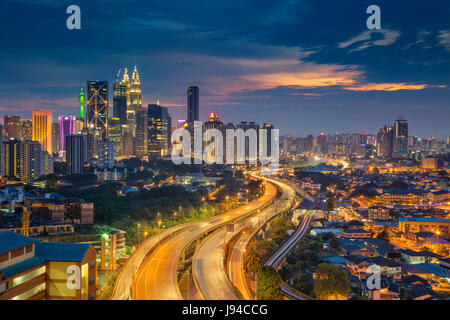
[(213, 123), (75, 149), (42, 128), (97, 107), (11, 158), (56, 138), (135, 100), (385, 139), (105, 154), (401, 135), (115, 134), (26, 130), (192, 104), (66, 126), (157, 130), (31, 156), (12, 126), (121, 97), (141, 143)]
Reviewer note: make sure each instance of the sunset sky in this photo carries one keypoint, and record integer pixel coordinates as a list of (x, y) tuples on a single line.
[(304, 66)]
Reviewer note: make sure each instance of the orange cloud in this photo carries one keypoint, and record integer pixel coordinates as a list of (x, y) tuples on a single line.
[(389, 87)]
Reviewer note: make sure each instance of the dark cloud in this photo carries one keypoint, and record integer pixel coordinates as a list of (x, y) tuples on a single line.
[(287, 62)]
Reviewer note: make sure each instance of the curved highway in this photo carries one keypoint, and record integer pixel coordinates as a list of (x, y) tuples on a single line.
[(208, 269), (157, 276)]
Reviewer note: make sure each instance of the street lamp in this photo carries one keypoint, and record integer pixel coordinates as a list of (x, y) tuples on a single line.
[(139, 233), (174, 217)]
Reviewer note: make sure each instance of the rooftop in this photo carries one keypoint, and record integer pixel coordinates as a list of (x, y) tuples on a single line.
[(11, 240)]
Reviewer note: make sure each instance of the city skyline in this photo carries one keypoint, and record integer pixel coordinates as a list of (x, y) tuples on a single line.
[(272, 69)]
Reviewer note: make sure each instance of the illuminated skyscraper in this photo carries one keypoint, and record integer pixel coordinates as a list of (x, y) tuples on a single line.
[(121, 97), (56, 138), (106, 154), (42, 128), (12, 126), (213, 123), (31, 156), (26, 130), (97, 107), (385, 139), (322, 143), (141, 143), (135, 101), (192, 104), (66, 126), (157, 130), (115, 135), (401, 135), (11, 158)]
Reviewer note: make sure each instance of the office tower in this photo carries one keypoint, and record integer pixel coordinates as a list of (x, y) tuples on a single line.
[(401, 135), (91, 137), (121, 97), (322, 143), (81, 99), (66, 126), (11, 158), (97, 107), (75, 149), (78, 125), (244, 125), (30, 161), (135, 100), (106, 154), (115, 135), (385, 139), (192, 104), (141, 143), (265, 140), (56, 138), (42, 128), (157, 130), (229, 148), (213, 123), (12, 126)]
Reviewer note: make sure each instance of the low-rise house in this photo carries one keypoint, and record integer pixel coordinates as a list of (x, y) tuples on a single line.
[(356, 234)]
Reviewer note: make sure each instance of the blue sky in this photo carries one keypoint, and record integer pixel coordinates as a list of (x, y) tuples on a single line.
[(305, 66)]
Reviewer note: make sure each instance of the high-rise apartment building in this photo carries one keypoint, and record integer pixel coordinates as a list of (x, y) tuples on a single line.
[(31, 156), (11, 158), (106, 154), (115, 134), (42, 128)]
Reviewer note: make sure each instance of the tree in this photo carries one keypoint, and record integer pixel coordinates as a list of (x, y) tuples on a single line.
[(268, 284), (302, 283), (335, 244), (331, 283)]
